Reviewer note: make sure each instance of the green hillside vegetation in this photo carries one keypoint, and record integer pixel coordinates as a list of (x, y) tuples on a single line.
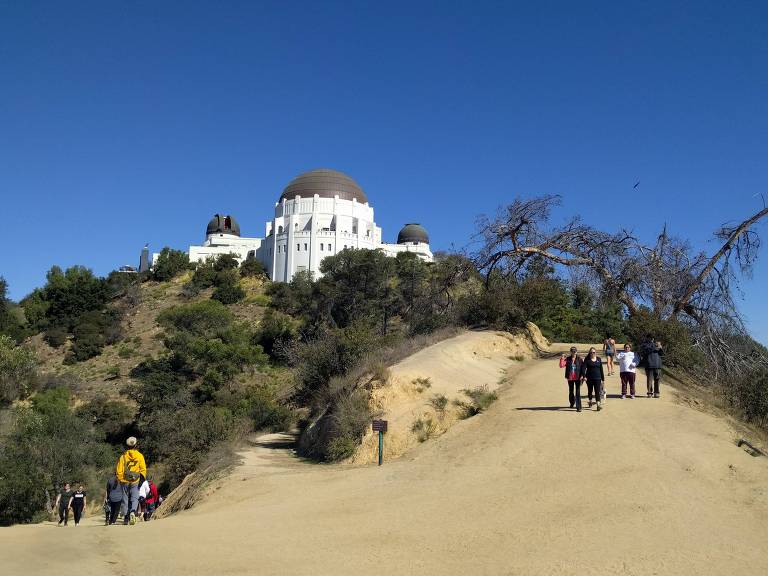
[(189, 358)]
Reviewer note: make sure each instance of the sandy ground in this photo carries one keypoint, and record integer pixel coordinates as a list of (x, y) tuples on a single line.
[(644, 487)]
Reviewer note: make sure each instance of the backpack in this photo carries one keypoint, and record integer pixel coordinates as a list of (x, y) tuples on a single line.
[(128, 473)]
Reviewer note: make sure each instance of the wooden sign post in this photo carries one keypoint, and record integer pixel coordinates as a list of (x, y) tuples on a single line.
[(380, 426)]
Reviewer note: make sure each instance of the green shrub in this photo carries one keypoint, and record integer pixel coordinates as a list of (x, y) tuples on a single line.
[(55, 337), (421, 384), (170, 263), (480, 399), (252, 267), (340, 448), (18, 370), (277, 328), (425, 428), (228, 289), (439, 402)]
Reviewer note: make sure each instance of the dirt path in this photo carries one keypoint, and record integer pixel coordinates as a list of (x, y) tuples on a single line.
[(644, 487)]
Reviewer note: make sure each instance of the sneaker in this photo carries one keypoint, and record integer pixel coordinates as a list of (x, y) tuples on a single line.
[(578, 409), (599, 406), (590, 404), (656, 395), (132, 519), (623, 396), (632, 397)]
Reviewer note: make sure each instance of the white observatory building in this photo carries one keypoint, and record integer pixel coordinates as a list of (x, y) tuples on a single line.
[(320, 213)]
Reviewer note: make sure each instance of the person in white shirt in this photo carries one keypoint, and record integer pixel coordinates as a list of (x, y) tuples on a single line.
[(627, 370), (143, 495)]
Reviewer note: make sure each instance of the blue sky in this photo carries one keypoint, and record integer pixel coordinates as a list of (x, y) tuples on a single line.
[(130, 122)]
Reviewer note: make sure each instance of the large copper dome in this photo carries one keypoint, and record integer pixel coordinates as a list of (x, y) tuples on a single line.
[(326, 184)]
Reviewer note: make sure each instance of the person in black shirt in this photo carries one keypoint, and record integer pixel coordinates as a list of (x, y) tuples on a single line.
[(592, 371), (573, 370), (62, 502), (77, 503)]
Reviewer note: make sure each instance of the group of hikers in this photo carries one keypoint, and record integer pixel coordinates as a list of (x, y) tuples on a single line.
[(590, 370), (129, 492)]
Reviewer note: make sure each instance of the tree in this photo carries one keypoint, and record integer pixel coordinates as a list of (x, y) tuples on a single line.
[(18, 370), (252, 267), (170, 263)]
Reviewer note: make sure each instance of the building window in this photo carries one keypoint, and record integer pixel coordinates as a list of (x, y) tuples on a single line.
[(279, 229), (321, 246), (305, 247), (329, 247)]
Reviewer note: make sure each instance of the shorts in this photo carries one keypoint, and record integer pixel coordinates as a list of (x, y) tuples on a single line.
[(609, 354)]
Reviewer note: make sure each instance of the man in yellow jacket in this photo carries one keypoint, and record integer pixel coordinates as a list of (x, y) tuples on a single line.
[(131, 470)]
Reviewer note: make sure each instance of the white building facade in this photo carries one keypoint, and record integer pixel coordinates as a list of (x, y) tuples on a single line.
[(319, 214)]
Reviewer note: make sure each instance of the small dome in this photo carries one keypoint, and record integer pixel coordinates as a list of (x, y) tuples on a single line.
[(412, 233), (326, 184), (223, 225)]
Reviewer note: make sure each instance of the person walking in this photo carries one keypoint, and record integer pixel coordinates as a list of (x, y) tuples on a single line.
[(651, 353), (131, 470), (113, 498), (592, 371), (573, 369), (62, 502), (77, 503), (151, 500), (609, 349), (627, 370)]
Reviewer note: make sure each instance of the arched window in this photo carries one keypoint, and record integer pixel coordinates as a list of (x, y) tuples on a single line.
[(279, 229)]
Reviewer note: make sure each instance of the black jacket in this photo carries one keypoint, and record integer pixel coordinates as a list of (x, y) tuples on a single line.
[(593, 370), (651, 354), (579, 367)]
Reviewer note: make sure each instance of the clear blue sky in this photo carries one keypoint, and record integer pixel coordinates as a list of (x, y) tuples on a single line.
[(130, 122)]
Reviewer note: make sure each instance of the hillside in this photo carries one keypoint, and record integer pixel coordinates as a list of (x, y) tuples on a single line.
[(108, 372), (647, 486)]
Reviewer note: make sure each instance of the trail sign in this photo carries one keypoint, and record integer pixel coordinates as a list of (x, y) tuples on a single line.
[(380, 426)]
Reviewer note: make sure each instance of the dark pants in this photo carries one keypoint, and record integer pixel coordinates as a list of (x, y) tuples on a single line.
[(149, 508), (653, 377), (627, 378), (574, 393), (593, 385), (63, 515), (77, 511), (114, 510)]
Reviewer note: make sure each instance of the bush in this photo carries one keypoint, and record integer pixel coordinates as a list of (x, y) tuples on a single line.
[(228, 289), (55, 337), (18, 371), (425, 428), (252, 267), (277, 328), (170, 264), (439, 402), (750, 395), (480, 399), (421, 384)]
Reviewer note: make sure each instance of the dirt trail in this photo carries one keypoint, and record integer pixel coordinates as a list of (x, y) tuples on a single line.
[(644, 487)]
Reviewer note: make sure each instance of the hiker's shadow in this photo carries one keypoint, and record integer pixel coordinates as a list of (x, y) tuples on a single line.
[(547, 408)]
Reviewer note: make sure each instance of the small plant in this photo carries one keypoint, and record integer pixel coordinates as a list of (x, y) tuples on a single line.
[(517, 357), (439, 402), (113, 373), (125, 351), (340, 448), (424, 428), (480, 399), (421, 384)]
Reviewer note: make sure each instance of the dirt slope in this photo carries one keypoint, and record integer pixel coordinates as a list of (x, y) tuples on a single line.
[(469, 360), (644, 487)]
